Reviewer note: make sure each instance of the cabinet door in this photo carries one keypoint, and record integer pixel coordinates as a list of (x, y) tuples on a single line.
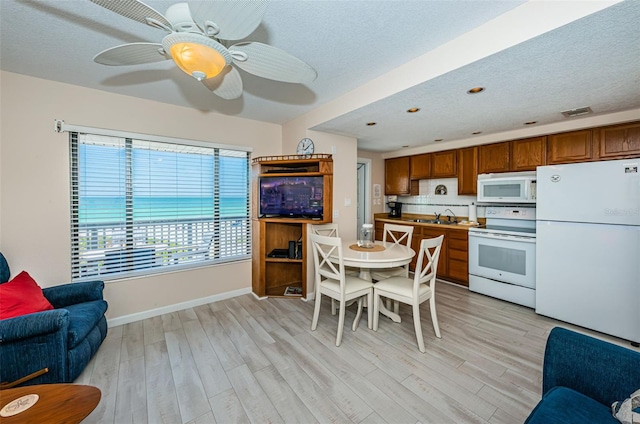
[(619, 141), (529, 153), (569, 147), (420, 166), (443, 262), (493, 158), (397, 176), (444, 164), (415, 245), (459, 257), (468, 170)]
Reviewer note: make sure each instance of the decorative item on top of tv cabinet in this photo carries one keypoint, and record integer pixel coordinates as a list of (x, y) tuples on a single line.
[(289, 192)]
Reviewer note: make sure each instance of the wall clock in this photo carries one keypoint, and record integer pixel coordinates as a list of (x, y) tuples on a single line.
[(305, 147)]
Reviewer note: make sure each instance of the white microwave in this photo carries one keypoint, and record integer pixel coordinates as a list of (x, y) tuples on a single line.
[(508, 187)]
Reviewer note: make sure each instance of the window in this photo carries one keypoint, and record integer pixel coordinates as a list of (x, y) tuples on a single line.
[(140, 207)]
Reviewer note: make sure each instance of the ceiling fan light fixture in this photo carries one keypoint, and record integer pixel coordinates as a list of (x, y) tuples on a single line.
[(196, 55)]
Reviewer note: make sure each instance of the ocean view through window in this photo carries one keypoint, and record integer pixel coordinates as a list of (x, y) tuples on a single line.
[(142, 207)]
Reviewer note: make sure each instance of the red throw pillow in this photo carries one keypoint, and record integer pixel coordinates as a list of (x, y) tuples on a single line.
[(22, 296)]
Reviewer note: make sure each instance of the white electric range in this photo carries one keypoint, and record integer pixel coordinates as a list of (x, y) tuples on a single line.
[(502, 255)]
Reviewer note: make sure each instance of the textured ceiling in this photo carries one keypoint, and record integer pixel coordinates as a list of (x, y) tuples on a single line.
[(594, 61), (589, 62)]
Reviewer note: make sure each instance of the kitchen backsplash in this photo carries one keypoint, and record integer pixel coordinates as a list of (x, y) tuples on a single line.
[(432, 199)]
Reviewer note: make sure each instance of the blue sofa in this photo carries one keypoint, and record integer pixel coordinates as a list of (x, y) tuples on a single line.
[(581, 378), (63, 339)]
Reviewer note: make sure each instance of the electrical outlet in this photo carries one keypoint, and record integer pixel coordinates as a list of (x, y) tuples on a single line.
[(336, 214)]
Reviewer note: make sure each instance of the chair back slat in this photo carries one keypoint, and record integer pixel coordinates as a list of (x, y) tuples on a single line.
[(398, 234), (323, 248), (427, 265), (329, 230)]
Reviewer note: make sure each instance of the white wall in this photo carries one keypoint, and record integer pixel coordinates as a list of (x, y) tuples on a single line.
[(34, 182)]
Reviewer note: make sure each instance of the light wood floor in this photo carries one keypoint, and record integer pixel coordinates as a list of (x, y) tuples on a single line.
[(248, 361)]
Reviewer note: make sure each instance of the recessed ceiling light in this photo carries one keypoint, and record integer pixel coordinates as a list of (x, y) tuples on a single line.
[(371, 124), (405, 146), (438, 139), (477, 132), (475, 90), (531, 122), (413, 110)]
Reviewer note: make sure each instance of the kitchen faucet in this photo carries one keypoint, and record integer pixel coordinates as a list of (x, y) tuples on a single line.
[(455, 218)]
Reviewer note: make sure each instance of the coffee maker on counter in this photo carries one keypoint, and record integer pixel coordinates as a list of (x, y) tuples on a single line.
[(395, 209)]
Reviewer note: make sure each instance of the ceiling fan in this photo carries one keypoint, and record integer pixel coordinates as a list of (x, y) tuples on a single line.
[(198, 43)]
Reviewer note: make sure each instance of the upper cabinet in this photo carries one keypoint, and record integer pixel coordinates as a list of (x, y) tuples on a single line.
[(444, 164), (421, 166), (604, 143), (618, 141), (527, 154), (493, 158), (397, 176), (569, 147), (468, 170), (516, 155)]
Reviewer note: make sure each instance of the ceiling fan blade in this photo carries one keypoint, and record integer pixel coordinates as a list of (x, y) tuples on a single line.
[(235, 20), (136, 10), (131, 54), (270, 62), (227, 84)]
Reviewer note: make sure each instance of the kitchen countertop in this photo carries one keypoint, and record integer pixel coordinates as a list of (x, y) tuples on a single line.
[(409, 219)]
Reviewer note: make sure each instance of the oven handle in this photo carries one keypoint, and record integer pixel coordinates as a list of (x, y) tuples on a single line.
[(503, 237)]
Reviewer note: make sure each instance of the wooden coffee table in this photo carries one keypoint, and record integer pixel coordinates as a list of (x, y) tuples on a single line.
[(57, 403)]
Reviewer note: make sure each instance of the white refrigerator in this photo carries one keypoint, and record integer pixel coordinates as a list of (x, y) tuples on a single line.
[(588, 245)]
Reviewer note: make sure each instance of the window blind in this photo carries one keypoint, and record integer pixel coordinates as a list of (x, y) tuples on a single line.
[(140, 207)]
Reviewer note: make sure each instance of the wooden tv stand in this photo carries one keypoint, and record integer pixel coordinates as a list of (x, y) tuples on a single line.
[(272, 275)]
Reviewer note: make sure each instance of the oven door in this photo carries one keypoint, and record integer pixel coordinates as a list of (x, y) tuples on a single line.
[(506, 258)]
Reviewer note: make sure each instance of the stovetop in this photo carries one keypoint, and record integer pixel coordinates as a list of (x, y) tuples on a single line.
[(509, 221)]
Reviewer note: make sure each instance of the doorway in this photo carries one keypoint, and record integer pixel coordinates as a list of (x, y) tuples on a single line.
[(364, 192)]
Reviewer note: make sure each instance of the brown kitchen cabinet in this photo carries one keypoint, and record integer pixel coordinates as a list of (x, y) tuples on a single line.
[(493, 158), (443, 262), (397, 179), (444, 164), (527, 154), (453, 263), (421, 166), (468, 170), (458, 257), (618, 141), (570, 147)]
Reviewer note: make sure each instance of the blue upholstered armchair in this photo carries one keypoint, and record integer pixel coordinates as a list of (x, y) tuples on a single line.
[(62, 339), (581, 377)]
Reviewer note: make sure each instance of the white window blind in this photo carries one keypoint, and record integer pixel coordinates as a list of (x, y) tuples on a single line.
[(142, 207)]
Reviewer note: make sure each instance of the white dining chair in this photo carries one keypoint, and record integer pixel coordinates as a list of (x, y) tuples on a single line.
[(416, 290), (331, 230), (398, 234), (331, 281)]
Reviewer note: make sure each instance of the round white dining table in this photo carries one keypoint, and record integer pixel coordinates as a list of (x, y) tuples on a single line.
[(392, 256)]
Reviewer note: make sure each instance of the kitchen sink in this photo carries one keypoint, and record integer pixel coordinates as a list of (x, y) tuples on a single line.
[(432, 221)]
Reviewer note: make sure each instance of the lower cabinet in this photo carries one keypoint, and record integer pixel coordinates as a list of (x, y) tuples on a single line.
[(453, 265)]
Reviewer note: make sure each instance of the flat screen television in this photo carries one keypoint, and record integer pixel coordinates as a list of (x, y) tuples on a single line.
[(292, 196)]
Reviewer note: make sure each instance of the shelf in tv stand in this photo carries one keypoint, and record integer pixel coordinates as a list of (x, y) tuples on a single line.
[(292, 174), (283, 260)]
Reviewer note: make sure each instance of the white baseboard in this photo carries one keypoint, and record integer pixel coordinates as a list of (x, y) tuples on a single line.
[(126, 319)]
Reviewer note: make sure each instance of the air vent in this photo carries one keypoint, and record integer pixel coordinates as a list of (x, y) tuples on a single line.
[(577, 112)]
